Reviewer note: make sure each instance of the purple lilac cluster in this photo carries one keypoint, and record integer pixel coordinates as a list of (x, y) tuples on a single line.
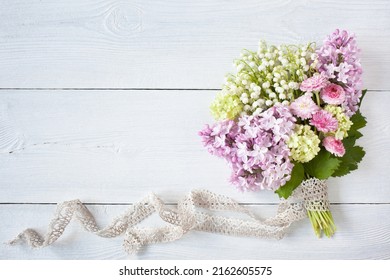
[(338, 61), (255, 147)]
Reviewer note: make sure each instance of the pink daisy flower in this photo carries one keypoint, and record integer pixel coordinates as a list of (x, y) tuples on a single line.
[(304, 107), (334, 146), (324, 121), (314, 83), (333, 94)]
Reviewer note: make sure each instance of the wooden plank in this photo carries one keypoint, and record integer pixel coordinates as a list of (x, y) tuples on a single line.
[(170, 44), (117, 146), (362, 234)]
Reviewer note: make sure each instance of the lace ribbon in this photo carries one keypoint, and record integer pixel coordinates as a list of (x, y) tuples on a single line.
[(310, 195)]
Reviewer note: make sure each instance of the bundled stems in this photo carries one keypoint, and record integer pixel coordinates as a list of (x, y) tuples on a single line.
[(322, 221), (317, 205)]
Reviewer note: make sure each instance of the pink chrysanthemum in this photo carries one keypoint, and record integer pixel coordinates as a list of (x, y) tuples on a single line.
[(304, 107), (333, 94), (314, 83), (324, 121), (334, 146)]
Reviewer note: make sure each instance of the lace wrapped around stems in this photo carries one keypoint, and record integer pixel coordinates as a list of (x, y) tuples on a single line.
[(310, 195)]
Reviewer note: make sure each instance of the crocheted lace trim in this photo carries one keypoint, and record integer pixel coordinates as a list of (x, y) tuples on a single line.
[(187, 216)]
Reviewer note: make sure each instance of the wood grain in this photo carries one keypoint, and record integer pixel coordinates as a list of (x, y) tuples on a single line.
[(110, 146), (117, 146), (171, 44), (363, 233)]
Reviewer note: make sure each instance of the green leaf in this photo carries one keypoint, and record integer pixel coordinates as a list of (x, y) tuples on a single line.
[(349, 142), (362, 97), (349, 162), (344, 169), (355, 134), (322, 166), (358, 121), (357, 153), (297, 176)]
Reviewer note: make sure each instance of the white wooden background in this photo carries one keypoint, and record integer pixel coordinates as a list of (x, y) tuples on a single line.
[(102, 101)]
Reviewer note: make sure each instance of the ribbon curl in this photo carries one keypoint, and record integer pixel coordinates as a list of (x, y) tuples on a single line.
[(311, 194)]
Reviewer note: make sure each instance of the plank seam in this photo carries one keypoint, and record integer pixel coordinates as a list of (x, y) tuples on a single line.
[(137, 89), (175, 204), (112, 89)]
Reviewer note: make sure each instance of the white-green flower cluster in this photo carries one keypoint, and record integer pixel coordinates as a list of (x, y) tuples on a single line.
[(226, 106), (304, 143), (269, 76)]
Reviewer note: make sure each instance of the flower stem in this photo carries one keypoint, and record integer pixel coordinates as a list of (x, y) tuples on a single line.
[(317, 98), (322, 221)]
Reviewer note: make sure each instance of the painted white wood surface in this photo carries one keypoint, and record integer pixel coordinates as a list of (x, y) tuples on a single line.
[(117, 146), (101, 147), (109, 146), (363, 233), (171, 44)]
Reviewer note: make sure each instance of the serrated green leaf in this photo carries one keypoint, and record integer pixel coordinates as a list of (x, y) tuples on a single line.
[(322, 166), (358, 120), (349, 142), (349, 162), (362, 97), (357, 153), (355, 134), (297, 176), (343, 169)]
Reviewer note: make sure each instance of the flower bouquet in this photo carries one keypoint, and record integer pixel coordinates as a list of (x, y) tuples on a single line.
[(290, 118)]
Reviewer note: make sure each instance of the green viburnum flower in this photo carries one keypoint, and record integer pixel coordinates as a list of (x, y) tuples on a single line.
[(226, 106), (303, 143), (344, 123)]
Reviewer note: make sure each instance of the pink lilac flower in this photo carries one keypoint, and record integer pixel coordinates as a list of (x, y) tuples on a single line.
[(334, 146), (219, 138), (314, 83), (333, 94), (324, 121), (304, 107), (255, 148), (338, 60)]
